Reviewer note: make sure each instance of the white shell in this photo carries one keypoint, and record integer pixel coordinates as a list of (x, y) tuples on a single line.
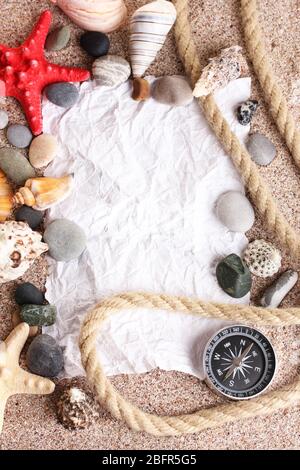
[(262, 258), (149, 27), (19, 248), (111, 70)]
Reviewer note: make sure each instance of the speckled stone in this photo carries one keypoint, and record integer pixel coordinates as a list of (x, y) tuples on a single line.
[(19, 136), (246, 111), (58, 38), (234, 276), (15, 165), (33, 217), (62, 94), (261, 149), (172, 91), (65, 239), (44, 356), (27, 293), (38, 315), (234, 210), (3, 119), (96, 44), (42, 150), (111, 70)]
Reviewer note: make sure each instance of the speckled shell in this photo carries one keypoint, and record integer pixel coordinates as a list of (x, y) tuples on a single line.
[(95, 15), (19, 248), (6, 197), (149, 27), (262, 258)]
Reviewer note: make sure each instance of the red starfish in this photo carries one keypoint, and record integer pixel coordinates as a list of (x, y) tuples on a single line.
[(24, 72)]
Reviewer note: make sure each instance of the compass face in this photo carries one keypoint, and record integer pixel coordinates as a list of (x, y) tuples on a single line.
[(240, 362)]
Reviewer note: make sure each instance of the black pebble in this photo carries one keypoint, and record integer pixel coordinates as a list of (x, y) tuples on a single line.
[(29, 215), (27, 293), (45, 357), (94, 43)]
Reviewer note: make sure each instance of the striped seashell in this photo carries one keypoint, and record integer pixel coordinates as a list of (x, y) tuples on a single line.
[(149, 27), (111, 70), (6, 197), (95, 15)]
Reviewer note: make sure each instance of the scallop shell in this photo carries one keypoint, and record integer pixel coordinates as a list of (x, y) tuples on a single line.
[(149, 27), (95, 15), (42, 193), (6, 197), (19, 248), (262, 258)]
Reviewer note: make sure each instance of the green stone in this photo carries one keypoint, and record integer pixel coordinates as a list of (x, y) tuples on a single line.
[(234, 276), (38, 315)]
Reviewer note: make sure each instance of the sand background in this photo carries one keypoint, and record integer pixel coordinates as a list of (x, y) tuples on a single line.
[(30, 422)]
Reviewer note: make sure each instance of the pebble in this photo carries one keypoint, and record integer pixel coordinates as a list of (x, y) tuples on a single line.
[(96, 44), (44, 356), (27, 293), (234, 276), (141, 89), (261, 149), (173, 91), (58, 38), (31, 216), (19, 136), (16, 320), (274, 295), (246, 111), (38, 315), (42, 150), (16, 167), (3, 119), (65, 239), (235, 211), (62, 94), (111, 70)]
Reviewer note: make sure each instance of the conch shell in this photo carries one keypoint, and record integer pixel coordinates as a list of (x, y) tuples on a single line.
[(149, 27), (95, 15), (19, 247), (42, 193), (6, 197)]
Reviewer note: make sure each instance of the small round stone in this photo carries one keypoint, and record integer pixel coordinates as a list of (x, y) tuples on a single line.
[(246, 111), (3, 119), (65, 239), (45, 357), (15, 166), (42, 150), (172, 91), (235, 211), (31, 216), (58, 38), (261, 149), (111, 70), (27, 293), (19, 136), (64, 95), (96, 44)]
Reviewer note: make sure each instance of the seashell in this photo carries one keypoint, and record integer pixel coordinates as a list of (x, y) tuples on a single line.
[(76, 409), (111, 70), (149, 27), (42, 193), (6, 197), (95, 15), (229, 65), (19, 248), (262, 258)]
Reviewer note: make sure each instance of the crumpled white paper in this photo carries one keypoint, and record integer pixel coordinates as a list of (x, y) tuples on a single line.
[(147, 177)]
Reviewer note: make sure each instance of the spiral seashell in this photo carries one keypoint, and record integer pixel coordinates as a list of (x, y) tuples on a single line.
[(149, 27), (95, 15), (6, 197), (42, 193), (262, 258)]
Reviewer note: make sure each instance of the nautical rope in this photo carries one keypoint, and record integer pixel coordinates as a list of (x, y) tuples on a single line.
[(269, 82), (107, 395)]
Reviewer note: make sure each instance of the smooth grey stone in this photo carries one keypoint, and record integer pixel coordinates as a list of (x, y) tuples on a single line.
[(33, 217), (274, 295), (261, 149), (62, 94), (172, 91), (111, 70), (27, 293), (3, 119), (19, 136), (58, 38), (234, 210), (65, 239), (44, 356), (15, 165)]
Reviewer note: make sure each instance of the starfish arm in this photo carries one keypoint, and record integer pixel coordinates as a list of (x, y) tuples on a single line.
[(32, 384), (16, 340), (57, 73), (39, 34), (32, 106)]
